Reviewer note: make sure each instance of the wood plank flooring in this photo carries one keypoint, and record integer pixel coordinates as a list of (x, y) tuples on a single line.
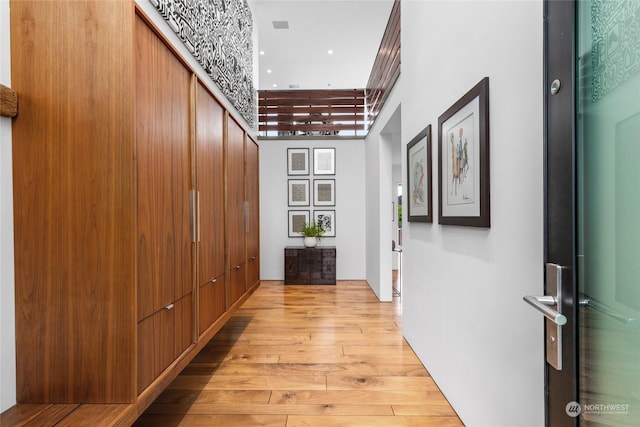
[(306, 356)]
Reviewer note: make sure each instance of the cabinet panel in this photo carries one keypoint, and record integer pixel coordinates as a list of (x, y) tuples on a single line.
[(163, 173), (73, 201), (237, 282), (253, 271), (210, 184), (211, 303), (155, 346), (162, 337), (235, 193), (252, 174), (183, 332)]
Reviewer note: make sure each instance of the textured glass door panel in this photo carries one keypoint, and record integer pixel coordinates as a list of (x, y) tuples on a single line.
[(608, 202)]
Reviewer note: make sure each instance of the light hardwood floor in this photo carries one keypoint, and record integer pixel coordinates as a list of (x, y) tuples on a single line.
[(306, 356)]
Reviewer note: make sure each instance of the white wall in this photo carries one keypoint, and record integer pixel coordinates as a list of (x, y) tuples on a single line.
[(463, 287), (350, 202), (7, 310)]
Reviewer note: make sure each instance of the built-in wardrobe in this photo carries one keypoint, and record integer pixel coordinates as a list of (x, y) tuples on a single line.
[(136, 206)]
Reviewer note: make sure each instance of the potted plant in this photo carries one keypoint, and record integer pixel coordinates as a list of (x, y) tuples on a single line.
[(312, 232)]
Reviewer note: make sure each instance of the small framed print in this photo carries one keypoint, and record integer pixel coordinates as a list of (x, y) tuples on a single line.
[(297, 161), (298, 192), (324, 161), (326, 220), (463, 161), (297, 219), (324, 192), (419, 177)]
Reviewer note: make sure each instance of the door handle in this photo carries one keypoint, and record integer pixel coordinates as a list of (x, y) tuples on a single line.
[(555, 318), (542, 304), (605, 310)]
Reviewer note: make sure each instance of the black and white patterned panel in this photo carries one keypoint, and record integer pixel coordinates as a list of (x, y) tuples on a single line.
[(615, 53), (218, 33)]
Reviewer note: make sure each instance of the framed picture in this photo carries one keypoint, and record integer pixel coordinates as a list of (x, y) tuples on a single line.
[(419, 177), (298, 161), (463, 161), (327, 220), (298, 192), (324, 192), (324, 161), (296, 220)]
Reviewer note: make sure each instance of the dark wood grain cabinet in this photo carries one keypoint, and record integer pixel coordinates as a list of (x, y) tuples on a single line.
[(131, 252), (310, 266)]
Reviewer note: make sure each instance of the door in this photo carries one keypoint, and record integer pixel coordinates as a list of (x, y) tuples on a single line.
[(592, 233)]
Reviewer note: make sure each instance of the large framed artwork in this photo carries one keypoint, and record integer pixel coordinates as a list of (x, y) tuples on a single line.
[(324, 192), (324, 161), (297, 161), (298, 192), (419, 177), (463, 161), (297, 219), (326, 220)]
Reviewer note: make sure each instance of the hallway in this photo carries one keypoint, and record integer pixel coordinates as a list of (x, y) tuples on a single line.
[(306, 356)]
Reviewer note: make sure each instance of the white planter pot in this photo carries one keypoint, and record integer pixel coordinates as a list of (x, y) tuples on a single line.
[(310, 242)]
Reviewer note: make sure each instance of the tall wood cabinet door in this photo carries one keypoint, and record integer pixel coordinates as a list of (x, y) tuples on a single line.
[(235, 193), (163, 173), (210, 184), (74, 215), (253, 199)]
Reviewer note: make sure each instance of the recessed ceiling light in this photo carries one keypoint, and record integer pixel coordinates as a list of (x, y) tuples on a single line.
[(262, 52), (269, 71), (280, 25), (275, 85), (330, 51)]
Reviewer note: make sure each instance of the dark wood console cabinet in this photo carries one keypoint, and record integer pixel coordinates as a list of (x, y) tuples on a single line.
[(310, 266)]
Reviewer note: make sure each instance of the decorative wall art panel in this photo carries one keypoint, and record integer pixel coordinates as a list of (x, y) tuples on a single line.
[(218, 33), (298, 192), (327, 221), (615, 51), (419, 177), (297, 220), (324, 192), (463, 161)]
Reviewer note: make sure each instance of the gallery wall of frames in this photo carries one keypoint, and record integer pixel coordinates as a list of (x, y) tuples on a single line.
[(311, 189)]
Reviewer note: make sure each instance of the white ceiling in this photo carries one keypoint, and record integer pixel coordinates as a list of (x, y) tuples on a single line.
[(299, 55)]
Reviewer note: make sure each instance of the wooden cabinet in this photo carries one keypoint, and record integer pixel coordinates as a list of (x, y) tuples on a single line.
[(236, 207), (310, 266), (211, 281), (74, 201), (123, 222), (253, 221)]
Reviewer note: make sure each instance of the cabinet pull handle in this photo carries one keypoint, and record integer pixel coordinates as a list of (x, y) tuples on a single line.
[(169, 307), (214, 280), (194, 214), (237, 267), (246, 216), (252, 258)]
